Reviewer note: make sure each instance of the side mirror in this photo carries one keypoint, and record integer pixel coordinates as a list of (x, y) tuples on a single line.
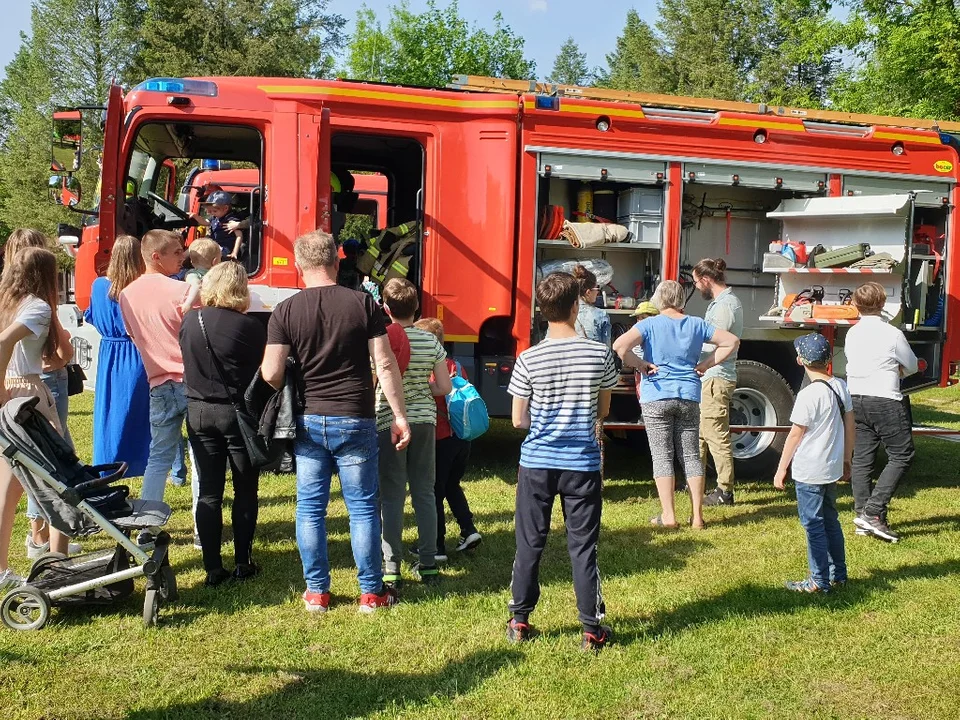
[(66, 141), (64, 190)]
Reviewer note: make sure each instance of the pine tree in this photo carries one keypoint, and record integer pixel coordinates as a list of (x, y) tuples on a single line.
[(285, 38), (758, 50), (570, 66), (639, 62)]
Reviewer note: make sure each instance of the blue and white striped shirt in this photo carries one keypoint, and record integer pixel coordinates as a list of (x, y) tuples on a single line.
[(562, 379)]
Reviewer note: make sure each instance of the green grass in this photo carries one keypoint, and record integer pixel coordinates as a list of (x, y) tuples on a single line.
[(704, 629)]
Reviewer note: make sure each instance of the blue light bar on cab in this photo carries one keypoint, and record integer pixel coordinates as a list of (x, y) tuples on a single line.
[(175, 86)]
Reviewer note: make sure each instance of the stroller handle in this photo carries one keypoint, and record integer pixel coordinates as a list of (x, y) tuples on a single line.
[(119, 470)]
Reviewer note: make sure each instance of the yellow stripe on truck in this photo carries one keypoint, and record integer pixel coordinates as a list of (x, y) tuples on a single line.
[(388, 96)]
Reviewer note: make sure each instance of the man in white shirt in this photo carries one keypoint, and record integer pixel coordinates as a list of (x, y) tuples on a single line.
[(878, 355)]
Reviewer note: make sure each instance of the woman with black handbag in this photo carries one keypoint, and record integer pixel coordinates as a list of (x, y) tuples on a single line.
[(222, 349)]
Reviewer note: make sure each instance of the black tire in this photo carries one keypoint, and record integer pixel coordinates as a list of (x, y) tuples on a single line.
[(43, 563), (168, 585), (762, 398)]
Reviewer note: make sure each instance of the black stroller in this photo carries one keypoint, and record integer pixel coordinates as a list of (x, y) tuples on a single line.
[(80, 500)]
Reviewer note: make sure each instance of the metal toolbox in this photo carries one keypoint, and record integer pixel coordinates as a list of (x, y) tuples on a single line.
[(841, 257)]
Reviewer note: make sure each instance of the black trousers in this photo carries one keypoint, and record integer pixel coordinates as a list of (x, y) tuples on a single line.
[(216, 440), (880, 421), (580, 497), (452, 456)]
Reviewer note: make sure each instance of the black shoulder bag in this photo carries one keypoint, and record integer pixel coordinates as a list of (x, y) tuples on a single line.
[(836, 396), (261, 450)]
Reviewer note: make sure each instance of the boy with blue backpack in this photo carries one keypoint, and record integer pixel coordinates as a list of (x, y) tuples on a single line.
[(453, 452)]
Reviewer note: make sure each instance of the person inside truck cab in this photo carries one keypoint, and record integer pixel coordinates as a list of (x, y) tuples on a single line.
[(226, 224)]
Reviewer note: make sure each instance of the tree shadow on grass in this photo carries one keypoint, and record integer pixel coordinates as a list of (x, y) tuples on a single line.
[(338, 694), (751, 600)]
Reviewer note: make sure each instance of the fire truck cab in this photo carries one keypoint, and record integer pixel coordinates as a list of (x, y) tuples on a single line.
[(478, 168)]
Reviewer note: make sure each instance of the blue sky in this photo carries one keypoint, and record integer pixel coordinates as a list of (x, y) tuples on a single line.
[(544, 24)]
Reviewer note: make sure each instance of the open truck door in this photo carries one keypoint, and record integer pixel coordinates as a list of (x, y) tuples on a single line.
[(93, 255)]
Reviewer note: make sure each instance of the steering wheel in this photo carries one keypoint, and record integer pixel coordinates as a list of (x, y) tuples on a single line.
[(168, 206)]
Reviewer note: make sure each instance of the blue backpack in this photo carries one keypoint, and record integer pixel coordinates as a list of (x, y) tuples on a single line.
[(468, 414)]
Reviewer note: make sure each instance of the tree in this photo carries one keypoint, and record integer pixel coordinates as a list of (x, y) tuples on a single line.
[(570, 66), (54, 67), (286, 38), (757, 50), (640, 61), (427, 49), (907, 59)]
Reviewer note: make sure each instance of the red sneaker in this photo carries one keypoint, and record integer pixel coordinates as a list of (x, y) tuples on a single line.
[(371, 602), (316, 602)]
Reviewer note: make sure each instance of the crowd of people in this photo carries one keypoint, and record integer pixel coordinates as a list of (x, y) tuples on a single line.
[(184, 352), (371, 381)]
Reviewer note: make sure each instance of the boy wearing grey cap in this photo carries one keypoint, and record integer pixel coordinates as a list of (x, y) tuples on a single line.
[(820, 447)]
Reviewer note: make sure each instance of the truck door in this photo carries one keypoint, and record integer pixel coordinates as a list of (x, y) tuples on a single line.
[(93, 255), (110, 195), (925, 270)]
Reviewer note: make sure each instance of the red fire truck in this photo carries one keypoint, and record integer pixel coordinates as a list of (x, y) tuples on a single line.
[(480, 163)]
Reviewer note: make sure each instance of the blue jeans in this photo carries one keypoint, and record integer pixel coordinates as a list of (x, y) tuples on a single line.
[(817, 505), (57, 382), (179, 470), (349, 446), (168, 408)]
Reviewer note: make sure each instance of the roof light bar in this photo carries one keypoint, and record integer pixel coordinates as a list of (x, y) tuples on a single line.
[(179, 87)]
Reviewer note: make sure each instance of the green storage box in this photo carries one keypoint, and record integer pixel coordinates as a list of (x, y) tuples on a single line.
[(841, 257)]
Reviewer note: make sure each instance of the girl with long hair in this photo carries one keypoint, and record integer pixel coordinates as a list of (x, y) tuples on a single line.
[(30, 334), (121, 404), (54, 376)]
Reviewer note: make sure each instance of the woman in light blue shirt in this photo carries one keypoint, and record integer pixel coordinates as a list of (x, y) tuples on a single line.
[(670, 392)]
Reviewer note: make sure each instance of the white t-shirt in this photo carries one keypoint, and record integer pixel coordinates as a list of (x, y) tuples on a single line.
[(819, 457), (27, 359), (876, 351)]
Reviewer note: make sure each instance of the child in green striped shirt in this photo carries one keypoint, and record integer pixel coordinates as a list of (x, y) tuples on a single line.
[(415, 465)]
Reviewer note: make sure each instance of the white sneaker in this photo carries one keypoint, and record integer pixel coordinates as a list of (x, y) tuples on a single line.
[(10, 580), (34, 551), (469, 542)]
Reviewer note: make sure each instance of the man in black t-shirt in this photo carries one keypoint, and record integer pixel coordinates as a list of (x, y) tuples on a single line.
[(333, 332)]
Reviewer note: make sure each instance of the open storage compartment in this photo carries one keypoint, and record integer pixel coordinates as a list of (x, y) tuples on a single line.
[(591, 190), (907, 229), (724, 216)]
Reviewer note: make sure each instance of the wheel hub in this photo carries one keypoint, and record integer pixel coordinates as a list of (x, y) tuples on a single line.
[(751, 407)]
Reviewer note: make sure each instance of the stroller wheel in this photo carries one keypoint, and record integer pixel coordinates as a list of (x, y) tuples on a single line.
[(44, 562), (25, 608), (151, 608), (168, 585)]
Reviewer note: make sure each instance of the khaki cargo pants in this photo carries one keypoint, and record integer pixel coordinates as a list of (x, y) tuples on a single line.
[(715, 428)]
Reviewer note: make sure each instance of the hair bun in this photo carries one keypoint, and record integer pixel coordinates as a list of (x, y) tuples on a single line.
[(579, 272), (720, 264)]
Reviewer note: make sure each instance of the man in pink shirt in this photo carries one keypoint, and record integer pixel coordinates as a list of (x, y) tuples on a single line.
[(152, 310)]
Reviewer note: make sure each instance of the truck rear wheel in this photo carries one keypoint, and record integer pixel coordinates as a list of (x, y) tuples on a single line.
[(762, 398)]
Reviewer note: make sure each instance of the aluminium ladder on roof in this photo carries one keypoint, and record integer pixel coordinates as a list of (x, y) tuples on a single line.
[(490, 84)]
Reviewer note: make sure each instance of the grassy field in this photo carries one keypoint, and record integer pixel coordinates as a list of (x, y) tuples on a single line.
[(703, 626)]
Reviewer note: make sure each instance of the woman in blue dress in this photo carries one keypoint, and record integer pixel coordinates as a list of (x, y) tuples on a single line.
[(121, 406)]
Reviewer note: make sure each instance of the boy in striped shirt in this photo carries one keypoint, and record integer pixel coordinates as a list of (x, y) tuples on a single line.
[(416, 464), (560, 388)]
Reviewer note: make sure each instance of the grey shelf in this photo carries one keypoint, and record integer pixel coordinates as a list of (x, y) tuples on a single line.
[(608, 247)]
